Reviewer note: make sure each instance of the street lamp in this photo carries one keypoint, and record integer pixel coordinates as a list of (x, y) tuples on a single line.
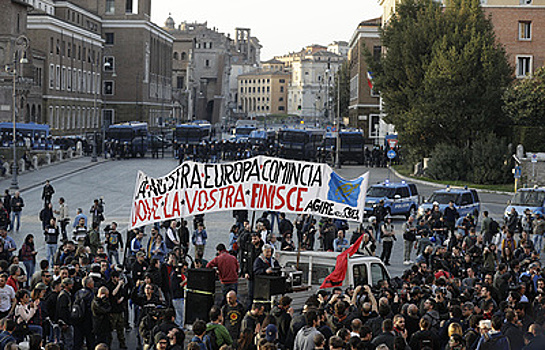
[(21, 42)]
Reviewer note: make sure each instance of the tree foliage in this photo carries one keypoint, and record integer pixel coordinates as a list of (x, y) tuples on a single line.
[(524, 100), (442, 76)]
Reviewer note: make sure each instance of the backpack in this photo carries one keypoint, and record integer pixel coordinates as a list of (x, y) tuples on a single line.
[(494, 227), (77, 312), (213, 339)]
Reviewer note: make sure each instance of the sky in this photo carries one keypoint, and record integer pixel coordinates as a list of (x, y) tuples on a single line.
[(282, 26)]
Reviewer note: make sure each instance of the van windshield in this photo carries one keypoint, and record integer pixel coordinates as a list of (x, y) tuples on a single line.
[(529, 198), (360, 275), (379, 192)]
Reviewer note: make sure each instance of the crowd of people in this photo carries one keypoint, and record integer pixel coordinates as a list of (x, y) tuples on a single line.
[(463, 288)]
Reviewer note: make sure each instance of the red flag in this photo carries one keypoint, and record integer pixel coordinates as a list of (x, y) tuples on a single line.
[(336, 278)]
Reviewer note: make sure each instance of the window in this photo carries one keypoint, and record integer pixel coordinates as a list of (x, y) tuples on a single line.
[(175, 56), (207, 63), (466, 199), (281, 108), (377, 52), (108, 88), (280, 99), (69, 79), (51, 45), (378, 273), (360, 275), (281, 89), (282, 81), (109, 37), (525, 2), (180, 82), (110, 7), (109, 63), (524, 66), (128, 6), (51, 76), (525, 30), (58, 77), (183, 56)]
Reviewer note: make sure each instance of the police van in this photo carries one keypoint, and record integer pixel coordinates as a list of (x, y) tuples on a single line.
[(400, 198), (527, 198), (466, 201)]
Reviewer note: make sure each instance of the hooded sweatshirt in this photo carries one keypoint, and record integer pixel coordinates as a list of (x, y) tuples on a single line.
[(305, 338)]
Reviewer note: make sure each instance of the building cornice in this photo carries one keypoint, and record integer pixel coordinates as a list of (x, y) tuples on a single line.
[(140, 24), (83, 11), (45, 22)]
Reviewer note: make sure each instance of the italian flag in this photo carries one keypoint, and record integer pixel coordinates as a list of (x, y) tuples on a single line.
[(370, 79)]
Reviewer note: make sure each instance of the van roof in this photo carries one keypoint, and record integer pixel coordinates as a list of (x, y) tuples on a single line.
[(327, 255)]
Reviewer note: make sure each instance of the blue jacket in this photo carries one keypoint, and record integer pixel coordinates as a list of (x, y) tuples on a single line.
[(496, 341), (202, 234)]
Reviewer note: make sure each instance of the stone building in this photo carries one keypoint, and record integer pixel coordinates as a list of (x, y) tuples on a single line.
[(313, 72), (19, 61), (364, 106), (206, 64), (263, 92)]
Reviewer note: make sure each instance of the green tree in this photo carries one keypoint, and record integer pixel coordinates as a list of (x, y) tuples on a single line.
[(442, 76), (343, 78), (524, 100)]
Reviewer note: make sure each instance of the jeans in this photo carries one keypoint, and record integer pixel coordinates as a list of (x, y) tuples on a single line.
[(408, 249), (30, 266), (112, 254), (15, 215), (63, 228), (538, 243), (178, 305), (67, 337), (386, 251), (51, 250)]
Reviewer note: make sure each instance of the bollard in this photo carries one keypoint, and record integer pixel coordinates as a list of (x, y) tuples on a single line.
[(35, 162), (59, 155), (48, 158), (22, 167)]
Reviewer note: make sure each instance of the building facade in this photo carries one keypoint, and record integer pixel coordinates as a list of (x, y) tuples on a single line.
[(364, 106), (263, 92)]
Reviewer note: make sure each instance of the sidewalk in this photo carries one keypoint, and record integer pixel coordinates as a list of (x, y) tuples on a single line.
[(34, 178)]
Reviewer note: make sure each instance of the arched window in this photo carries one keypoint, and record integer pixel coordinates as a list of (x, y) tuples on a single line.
[(183, 56), (175, 56)]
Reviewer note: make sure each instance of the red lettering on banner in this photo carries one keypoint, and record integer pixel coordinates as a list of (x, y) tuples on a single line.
[(222, 190), (288, 198), (203, 198), (267, 196), (255, 195), (280, 197), (176, 206), (165, 215), (190, 204), (213, 198), (229, 197), (155, 207), (300, 192), (239, 197)]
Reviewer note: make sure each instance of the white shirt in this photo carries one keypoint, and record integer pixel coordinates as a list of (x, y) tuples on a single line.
[(7, 294)]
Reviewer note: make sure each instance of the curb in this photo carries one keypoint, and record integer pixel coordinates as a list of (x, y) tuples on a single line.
[(433, 184), (90, 165)]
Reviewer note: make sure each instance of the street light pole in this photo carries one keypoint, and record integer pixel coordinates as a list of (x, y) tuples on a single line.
[(21, 41), (338, 144), (94, 154)]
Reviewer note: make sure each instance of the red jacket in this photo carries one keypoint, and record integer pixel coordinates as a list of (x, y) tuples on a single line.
[(227, 267)]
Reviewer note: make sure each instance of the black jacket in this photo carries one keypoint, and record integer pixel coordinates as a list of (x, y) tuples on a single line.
[(17, 204), (283, 320), (101, 308), (64, 306), (514, 334)]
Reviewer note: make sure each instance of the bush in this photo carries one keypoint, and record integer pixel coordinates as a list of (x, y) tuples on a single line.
[(448, 163), (486, 161)]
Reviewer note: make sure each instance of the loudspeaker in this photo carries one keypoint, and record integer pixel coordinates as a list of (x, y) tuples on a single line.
[(201, 279), (267, 286), (197, 306)]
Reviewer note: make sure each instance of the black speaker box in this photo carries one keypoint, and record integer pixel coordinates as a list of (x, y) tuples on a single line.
[(267, 286), (201, 279), (197, 306)]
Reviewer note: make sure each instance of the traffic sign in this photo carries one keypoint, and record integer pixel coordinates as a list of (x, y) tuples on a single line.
[(392, 143), (391, 154), (534, 158), (517, 172)]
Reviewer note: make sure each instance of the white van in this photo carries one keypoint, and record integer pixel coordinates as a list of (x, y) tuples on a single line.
[(316, 266)]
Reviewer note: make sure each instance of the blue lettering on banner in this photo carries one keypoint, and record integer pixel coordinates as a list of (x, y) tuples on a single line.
[(344, 191)]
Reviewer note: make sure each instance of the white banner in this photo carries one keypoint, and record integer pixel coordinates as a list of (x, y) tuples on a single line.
[(259, 183)]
